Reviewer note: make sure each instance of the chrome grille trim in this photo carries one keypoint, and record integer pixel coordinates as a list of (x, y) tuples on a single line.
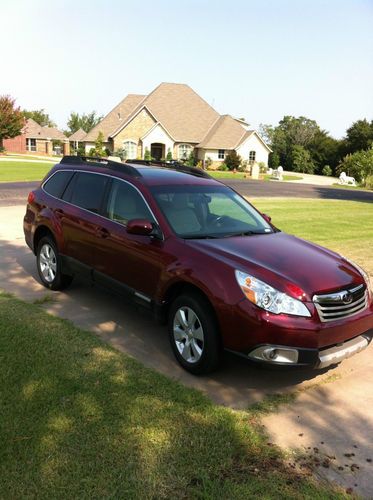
[(332, 306)]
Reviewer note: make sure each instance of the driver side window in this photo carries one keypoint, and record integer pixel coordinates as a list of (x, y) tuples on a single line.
[(125, 203)]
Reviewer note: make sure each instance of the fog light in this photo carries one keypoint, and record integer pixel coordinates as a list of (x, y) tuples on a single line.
[(274, 354)]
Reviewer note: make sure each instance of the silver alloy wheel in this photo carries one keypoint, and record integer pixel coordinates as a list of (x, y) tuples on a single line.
[(188, 334), (48, 263)]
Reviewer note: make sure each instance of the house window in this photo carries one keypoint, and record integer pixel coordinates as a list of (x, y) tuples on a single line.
[(184, 151), (130, 147), (221, 154), (31, 144), (252, 156)]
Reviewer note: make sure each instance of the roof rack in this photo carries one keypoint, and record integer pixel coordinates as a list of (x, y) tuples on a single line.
[(172, 165), (96, 161)]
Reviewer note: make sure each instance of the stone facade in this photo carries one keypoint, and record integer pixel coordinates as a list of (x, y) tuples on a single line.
[(137, 128)]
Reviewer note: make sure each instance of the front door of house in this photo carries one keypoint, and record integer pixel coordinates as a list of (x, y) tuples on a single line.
[(156, 150)]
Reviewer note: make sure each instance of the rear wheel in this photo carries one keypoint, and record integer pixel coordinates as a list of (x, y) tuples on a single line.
[(49, 265), (194, 334)]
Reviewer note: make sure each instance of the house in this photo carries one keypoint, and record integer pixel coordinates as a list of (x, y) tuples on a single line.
[(174, 120), (76, 138), (37, 139)]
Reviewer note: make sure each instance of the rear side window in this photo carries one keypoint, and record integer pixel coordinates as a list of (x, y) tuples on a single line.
[(87, 191), (56, 185)]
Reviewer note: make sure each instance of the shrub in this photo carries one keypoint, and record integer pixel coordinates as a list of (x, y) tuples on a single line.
[(327, 170), (169, 155), (369, 182), (208, 162), (301, 160), (358, 165), (262, 167), (233, 160), (147, 155), (191, 160), (223, 167), (121, 152)]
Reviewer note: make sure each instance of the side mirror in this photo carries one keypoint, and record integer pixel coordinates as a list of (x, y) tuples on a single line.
[(267, 218), (141, 227)]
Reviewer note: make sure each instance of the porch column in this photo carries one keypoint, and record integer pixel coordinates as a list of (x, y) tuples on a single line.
[(66, 148)]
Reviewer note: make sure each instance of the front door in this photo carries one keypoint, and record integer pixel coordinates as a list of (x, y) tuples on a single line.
[(133, 260), (157, 150)]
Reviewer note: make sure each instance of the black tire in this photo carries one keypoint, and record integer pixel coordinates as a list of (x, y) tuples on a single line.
[(205, 356), (54, 279)]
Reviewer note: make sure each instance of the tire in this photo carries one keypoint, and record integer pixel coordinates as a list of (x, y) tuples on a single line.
[(194, 335), (48, 263)]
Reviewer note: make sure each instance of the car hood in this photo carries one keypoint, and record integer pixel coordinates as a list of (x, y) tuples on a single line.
[(281, 259)]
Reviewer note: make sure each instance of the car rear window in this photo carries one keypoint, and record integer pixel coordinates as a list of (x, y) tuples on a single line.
[(56, 184), (87, 191)]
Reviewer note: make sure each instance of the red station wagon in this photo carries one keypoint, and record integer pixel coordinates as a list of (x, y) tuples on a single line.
[(201, 258)]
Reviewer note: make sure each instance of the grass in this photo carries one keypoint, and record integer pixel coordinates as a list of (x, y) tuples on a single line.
[(13, 171), (217, 174), (343, 226), (80, 420)]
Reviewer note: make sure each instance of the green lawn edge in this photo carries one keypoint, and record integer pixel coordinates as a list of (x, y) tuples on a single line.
[(80, 419)]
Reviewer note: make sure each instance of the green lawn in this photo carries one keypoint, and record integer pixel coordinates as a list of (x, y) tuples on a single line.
[(80, 420), (343, 226), (12, 171), (242, 175)]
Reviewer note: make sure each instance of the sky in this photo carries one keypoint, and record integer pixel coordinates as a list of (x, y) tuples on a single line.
[(256, 59)]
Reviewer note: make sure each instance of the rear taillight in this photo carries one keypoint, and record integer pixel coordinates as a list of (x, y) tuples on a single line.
[(31, 197)]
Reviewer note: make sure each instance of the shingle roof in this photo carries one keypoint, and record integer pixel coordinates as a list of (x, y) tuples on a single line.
[(78, 135), (226, 133), (33, 130), (115, 118), (184, 114)]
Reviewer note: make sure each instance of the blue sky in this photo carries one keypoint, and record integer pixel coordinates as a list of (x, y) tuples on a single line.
[(255, 59)]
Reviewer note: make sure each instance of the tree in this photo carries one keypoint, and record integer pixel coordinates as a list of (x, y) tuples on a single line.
[(301, 160), (274, 160), (40, 116), (191, 160), (11, 119), (147, 155), (358, 165), (99, 149), (325, 150), (169, 155), (233, 160), (359, 136), (86, 121)]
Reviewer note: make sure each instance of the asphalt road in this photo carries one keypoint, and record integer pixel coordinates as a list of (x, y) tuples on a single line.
[(15, 193)]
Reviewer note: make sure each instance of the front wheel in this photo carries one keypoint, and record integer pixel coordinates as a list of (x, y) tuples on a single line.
[(194, 334), (49, 265)]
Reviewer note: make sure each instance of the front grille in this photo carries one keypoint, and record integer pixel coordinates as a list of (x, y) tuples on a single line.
[(343, 304)]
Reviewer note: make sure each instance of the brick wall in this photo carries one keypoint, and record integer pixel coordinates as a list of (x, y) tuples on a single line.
[(15, 145)]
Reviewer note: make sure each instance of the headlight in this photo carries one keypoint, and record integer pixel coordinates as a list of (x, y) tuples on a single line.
[(268, 298), (364, 274)]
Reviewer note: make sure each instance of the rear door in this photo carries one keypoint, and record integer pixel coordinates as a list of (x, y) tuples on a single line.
[(81, 222)]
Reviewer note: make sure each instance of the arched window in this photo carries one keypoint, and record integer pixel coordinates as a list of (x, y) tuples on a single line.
[(184, 151), (130, 147), (252, 156)]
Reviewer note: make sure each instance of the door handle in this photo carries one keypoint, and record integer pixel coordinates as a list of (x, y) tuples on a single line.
[(102, 232)]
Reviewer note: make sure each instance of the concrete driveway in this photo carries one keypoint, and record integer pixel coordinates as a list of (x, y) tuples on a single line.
[(334, 406)]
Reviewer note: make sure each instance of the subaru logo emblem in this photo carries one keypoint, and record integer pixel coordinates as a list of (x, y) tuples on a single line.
[(347, 298)]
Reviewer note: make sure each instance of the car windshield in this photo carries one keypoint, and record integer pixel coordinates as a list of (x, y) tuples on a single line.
[(200, 211)]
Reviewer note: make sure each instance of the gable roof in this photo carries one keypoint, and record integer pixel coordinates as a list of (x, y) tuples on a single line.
[(78, 135), (32, 130), (226, 133), (115, 117)]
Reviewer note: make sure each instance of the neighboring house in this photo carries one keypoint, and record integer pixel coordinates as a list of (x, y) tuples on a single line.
[(76, 138), (173, 118), (37, 139)]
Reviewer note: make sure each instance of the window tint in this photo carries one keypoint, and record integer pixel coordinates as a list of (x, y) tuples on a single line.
[(126, 203), (88, 190), (57, 183)]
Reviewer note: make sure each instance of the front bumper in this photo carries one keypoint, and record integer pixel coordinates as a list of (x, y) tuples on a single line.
[(317, 358)]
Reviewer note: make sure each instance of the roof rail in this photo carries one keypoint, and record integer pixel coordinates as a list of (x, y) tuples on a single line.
[(96, 161), (172, 165)]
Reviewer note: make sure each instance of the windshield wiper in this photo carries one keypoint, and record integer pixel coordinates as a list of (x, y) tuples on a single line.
[(200, 237), (244, 233)]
